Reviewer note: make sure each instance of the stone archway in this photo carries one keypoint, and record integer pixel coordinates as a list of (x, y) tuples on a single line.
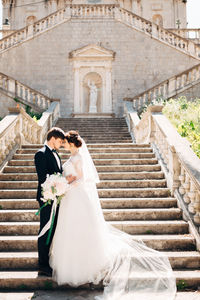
[(94, 63)]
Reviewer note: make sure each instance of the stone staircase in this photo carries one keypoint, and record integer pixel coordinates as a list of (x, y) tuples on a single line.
[(133, 194), (172, 87), (25, 94), (97, 11)]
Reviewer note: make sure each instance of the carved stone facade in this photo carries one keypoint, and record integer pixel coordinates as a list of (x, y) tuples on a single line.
[(121, 60), (169, 13), (92, 64)]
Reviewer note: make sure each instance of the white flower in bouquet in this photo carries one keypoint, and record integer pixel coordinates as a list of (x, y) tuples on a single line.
[(54, 188)]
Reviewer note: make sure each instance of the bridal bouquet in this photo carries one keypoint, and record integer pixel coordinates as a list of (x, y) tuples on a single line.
[(53, 190)]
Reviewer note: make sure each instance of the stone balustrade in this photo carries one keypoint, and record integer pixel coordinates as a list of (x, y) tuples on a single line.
[(33, 29), (19, 128), (25, 94), (92, 11), (188, 33), (168, 88), (180, 163), (96, 11), (158, 32)]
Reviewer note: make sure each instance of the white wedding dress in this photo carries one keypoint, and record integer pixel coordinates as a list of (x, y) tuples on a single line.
[(86, 249)]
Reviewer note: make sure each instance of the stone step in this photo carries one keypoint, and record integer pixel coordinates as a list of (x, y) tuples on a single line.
[(29, 260), (94, 156), (29, 280), (145, 183), (94, 140), (116, 139), (106, 168), (109, 134), (101, 120), (131, 193), (105, 203), (90, 125), (89, 130), (22, 215), (97, 162), (100, 145), (96, 150), (108, 139), (76, 294), (103, 184), (131, 227), (158, 242), (103, 193), (98, 123), (102, 176)]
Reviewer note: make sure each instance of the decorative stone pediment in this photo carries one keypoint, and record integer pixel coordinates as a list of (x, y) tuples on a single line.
[(92, 66), (92, 52)]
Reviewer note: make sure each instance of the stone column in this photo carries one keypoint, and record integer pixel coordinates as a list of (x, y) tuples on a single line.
[(108, 93), (77, 104)]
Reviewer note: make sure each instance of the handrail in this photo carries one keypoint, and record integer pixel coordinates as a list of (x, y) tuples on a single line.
[(167, 88), (99, 11), (23, 92), (180, 163), (188, 33), (19, 128)]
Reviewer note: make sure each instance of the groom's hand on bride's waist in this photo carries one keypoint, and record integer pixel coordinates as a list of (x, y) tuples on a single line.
[(70, 178)]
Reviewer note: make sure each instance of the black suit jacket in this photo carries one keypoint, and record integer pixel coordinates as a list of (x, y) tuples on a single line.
[(45, 163)]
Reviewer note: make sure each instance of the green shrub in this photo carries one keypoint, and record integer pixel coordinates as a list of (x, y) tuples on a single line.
[(185, 116), (35, 115)]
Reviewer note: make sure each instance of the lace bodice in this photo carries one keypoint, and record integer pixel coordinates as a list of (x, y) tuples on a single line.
[(73, 166)]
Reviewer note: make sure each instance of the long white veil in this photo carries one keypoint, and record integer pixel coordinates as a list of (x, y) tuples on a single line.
[(89, 170), (133, 271)]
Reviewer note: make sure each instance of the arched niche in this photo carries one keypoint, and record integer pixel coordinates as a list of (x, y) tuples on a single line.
[(30, 20), (92, 62), (97, 80), (158, 19)]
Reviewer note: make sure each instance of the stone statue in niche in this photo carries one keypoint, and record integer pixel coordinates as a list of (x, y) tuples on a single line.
[(93, 97)]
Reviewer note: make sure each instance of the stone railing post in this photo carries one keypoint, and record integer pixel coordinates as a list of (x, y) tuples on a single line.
[(30, 30), (67, 12), (154, 30), (191, 48), (174, 169)]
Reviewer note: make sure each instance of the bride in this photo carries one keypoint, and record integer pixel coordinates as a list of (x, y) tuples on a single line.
[(86, 249)]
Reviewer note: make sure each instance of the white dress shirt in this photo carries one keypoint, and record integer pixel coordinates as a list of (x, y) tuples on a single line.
[(56, 156)]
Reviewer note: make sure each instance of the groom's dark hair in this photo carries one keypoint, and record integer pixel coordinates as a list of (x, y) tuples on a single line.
[(55, 132)]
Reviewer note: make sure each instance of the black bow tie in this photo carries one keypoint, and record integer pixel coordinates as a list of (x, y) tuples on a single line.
[(54, 150)]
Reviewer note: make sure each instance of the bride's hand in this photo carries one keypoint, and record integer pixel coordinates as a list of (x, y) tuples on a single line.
[(70, 178)]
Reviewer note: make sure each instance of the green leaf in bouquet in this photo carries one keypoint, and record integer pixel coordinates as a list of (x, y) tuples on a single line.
[(53, 189), (59, 198)]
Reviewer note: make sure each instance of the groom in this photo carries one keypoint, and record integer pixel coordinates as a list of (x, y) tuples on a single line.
[(47, 161)]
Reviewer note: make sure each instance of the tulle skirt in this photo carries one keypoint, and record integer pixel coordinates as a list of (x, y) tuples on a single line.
[(86, 249)]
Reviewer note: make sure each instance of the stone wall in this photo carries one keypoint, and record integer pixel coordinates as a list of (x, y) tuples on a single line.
[(5, 102), (140, 62), (169, 10), (191, 93)]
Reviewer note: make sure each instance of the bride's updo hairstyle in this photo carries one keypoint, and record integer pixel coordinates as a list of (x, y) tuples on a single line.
[(73, 137)]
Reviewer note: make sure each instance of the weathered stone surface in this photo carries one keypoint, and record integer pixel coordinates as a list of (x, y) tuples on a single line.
[(134, 198), (77, 295), (134, 68)]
